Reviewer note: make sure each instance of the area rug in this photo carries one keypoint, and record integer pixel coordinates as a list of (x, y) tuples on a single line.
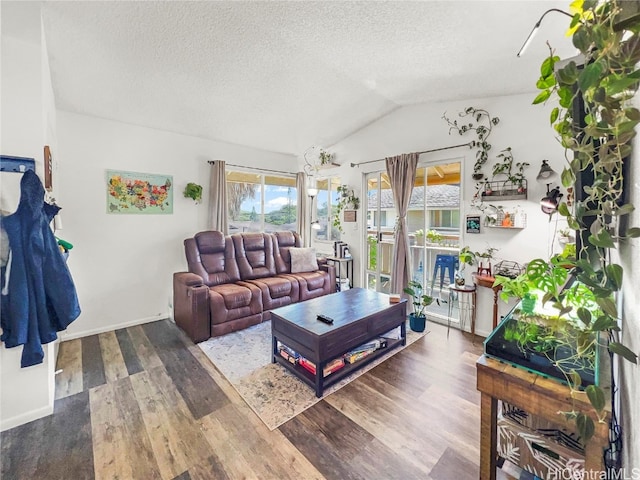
[(272, 392)]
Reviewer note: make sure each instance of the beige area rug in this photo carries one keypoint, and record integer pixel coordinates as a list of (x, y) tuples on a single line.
[(276, 395)]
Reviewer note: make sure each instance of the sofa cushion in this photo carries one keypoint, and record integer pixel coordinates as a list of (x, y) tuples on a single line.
[(211, 256), (303, 260), (254, 255)]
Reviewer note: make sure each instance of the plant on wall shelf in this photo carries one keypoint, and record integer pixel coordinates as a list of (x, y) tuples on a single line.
[(346, 198), (505, 167), (193, 191), (606, 85), (325, 157), (482, 123)]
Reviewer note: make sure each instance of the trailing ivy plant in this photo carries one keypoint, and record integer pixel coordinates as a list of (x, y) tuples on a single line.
[(346, 198), (607, 83), (482, 123)]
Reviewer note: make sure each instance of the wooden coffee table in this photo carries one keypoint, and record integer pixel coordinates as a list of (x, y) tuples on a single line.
[(359, 315)]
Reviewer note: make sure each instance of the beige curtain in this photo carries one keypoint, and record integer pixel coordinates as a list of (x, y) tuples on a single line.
[(304, 217), (402, 175), (218, 197)]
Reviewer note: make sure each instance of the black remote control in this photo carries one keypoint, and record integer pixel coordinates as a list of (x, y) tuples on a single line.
[(325, 319)]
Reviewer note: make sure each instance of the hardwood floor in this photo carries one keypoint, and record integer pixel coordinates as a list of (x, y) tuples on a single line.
[(145, 402)]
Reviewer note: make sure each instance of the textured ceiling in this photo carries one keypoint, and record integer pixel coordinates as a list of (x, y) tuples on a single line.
[(283, 76)]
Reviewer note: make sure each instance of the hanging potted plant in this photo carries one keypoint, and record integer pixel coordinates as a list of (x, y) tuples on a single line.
[(193, 191), (346, 198), (420, 301)]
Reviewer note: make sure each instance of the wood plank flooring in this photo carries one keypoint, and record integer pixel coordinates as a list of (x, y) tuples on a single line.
[(145, 403)]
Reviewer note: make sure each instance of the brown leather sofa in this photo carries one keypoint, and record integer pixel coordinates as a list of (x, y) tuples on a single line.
[(234, 281)]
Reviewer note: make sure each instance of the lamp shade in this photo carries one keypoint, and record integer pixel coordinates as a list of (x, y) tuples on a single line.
[(316, 225), (549, 204), (547, 174)]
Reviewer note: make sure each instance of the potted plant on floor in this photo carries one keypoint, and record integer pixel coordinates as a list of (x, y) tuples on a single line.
[(420, 302)]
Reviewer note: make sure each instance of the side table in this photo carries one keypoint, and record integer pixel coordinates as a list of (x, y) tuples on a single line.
[(487, 281), (465, 296), (348, 270), (538, 396)]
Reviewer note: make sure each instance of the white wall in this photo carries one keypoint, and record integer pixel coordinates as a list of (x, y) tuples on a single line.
[(630, 379), (523, 127), (123, 264), (25, 393)]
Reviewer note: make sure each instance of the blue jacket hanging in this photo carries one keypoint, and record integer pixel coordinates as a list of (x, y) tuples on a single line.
[(38, 296)]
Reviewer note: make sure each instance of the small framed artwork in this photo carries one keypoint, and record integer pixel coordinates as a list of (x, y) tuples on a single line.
[(473, 223), (139, 193), (349, 215)]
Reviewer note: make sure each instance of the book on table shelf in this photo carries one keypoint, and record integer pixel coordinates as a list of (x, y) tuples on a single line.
[(332, 366), (350, 357), (288, 354), (307, 364)]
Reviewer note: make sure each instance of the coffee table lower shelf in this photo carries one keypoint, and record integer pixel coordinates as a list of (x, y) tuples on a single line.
[(318, 381)]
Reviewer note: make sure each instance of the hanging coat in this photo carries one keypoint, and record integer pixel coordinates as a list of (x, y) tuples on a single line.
[(38, 298)]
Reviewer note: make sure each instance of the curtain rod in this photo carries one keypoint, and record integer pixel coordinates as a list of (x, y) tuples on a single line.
[(419, 153), (210, 162)]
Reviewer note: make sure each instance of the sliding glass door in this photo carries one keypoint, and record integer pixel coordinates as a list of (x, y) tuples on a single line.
[(433, 222)]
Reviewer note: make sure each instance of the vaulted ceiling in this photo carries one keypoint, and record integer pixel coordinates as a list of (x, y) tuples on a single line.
[(283, 76)]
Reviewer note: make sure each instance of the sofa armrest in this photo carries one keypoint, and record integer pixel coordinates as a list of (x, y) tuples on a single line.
[(188, 279), (191, 305), (331, 270)]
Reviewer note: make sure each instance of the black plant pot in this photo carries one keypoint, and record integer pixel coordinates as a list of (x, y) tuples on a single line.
[(477, 176)]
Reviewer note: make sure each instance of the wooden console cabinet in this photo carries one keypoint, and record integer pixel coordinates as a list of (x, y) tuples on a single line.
[(538, 396)]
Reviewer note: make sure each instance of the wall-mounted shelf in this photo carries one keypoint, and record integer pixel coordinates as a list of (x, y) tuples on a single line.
[(504, 190), (508, 220), (16, 164)]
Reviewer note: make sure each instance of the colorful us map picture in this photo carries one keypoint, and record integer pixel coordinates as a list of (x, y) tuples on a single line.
[(131, 192)]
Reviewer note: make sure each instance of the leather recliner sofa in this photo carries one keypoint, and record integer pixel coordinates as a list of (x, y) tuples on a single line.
[(234, 281)]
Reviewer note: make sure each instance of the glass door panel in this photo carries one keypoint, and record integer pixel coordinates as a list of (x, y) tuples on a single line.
[(380, 236), (439, 185)]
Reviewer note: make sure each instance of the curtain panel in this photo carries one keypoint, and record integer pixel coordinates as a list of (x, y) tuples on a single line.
[(304, 216), (402, 175), (218, 197)]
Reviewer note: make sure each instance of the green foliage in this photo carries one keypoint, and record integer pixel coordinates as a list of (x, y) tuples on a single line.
[(193, 191), (607, 84), (346, 198), (419, 300), (372, 244), (482, 124), (466, 256)]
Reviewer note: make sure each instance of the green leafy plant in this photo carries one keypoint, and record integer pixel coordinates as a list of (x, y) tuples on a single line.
[(434, 236), (482, 124), (606, 84), (325, 157), (419, 300), (346, 198), (193, 191), (505, 167)]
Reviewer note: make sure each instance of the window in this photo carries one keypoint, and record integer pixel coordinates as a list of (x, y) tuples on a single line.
[(261, 202), (325, 204)]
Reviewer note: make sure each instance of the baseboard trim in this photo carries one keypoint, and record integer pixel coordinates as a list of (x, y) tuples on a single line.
[(109, 328), (26, 417)]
